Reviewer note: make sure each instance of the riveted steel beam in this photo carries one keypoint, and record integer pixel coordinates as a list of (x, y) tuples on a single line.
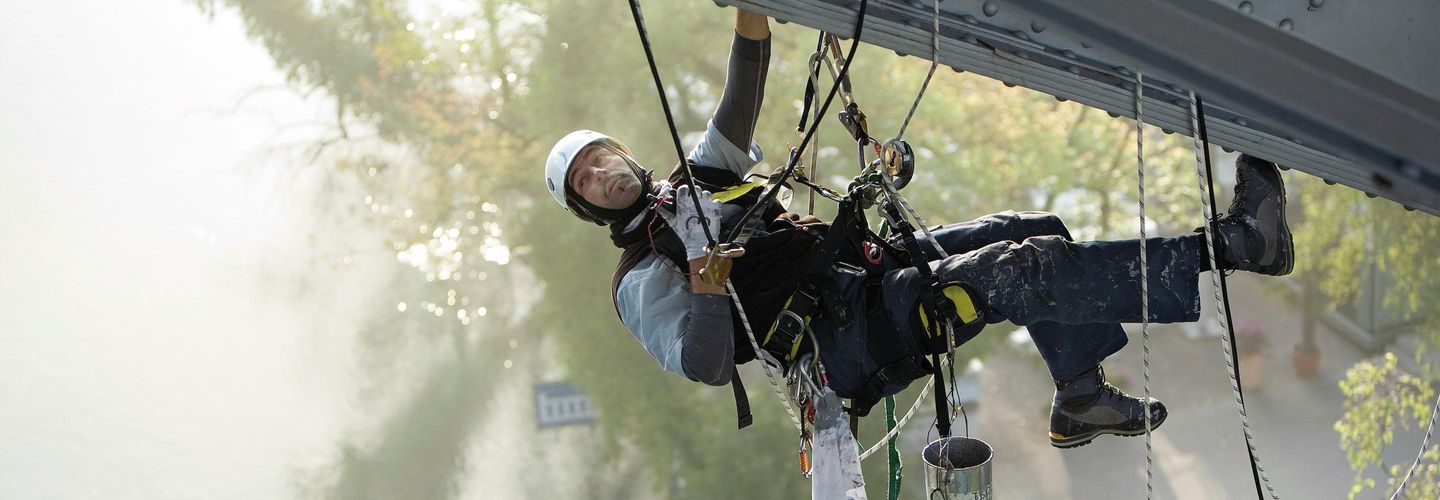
[(1270, 89)]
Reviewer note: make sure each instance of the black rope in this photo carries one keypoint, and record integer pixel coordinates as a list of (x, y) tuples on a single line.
[(1224, 290), (774, 189), (669, 119)]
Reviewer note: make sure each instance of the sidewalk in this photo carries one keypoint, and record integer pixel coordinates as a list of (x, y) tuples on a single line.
[(1200, 451)]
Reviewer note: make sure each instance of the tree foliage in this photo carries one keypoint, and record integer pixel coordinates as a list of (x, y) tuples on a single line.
[(443, 115)]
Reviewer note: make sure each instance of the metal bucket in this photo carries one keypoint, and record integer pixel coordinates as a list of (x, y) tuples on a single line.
[(958, 468)]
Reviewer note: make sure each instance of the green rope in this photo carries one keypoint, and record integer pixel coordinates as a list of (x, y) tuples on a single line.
[(892, 450)]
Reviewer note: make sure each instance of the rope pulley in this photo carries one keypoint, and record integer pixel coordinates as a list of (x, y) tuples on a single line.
[(899, 161)]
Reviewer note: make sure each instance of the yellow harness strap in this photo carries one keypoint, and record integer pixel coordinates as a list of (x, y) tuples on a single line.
[(964, 307)]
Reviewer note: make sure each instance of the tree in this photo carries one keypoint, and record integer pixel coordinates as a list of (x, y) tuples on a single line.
[(443, 119)]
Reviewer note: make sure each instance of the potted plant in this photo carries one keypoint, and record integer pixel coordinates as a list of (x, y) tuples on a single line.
[(1306, 354), (1250, 347)]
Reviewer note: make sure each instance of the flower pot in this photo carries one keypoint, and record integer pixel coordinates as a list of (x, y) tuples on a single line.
[(1307, 361), (1252, 371)]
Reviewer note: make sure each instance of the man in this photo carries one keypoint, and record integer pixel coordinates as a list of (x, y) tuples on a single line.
[(1022, 267)]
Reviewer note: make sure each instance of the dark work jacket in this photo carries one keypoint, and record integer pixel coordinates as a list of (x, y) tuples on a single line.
[(763, 278)]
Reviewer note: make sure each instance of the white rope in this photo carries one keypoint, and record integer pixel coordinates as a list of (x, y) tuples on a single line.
[(1144, 284), (934, 61), (760, 354), (1423, 444), (1223, 315), (924, 393)]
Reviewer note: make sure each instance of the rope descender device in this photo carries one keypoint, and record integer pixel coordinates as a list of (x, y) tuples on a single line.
[(899, 162)]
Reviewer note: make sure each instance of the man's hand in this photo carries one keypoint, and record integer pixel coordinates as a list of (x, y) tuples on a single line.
[(751, 25), (686, 220)]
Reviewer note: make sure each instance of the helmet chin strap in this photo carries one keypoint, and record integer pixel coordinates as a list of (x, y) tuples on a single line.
[(609, 216)]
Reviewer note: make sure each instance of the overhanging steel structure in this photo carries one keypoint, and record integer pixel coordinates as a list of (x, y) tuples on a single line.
[(1347, 91)]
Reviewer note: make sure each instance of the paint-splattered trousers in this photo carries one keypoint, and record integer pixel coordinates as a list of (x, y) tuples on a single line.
[(1071, 296)]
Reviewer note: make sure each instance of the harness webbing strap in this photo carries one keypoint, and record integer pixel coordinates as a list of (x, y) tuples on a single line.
[(815, 286), (742, 400)]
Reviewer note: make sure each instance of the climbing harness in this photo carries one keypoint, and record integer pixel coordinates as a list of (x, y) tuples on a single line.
[(879, 182)]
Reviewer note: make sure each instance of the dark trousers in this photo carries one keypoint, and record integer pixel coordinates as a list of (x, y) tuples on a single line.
[(1071, 296)]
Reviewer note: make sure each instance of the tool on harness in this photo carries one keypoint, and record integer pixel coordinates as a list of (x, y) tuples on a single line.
[(854, 121), (718, 261)]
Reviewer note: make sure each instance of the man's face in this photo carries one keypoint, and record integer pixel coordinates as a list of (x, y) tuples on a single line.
[(603, 178)]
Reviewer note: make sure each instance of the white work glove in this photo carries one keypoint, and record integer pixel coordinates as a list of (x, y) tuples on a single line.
[(686, 220)]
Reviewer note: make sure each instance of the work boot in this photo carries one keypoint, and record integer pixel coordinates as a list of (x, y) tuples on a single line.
[(1088, 406), (1253, 234)]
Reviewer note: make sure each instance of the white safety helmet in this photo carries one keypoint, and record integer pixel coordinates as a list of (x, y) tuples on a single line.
[(557, 165)]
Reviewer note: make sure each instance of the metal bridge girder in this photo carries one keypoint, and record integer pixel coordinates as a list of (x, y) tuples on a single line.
[(1293, 81)]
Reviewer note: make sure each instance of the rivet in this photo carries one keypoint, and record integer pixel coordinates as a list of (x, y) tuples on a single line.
[(1068, 53), (1167, 131), (1061, 99), (1241, 122), (781, 21), (1282, 167), (968, 18), (1408, 208), (1315, 4), (1009, 84), (1287, 25), (1411, 170), (1073, 69), (1085, 44), (1021, 34), (1247, 7), (1113, 114), (1037, 26), (1371, 195), (1227, 150), (957, 69), (1329, 182), (901, 54), (990, 9)]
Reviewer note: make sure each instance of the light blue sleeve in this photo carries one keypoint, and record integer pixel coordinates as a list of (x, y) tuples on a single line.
[(714, 150), (654, 305)]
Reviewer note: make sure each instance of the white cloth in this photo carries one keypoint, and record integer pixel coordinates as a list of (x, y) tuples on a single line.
[(835, 457)]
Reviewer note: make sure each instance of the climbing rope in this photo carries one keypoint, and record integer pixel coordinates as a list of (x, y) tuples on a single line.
[(1222, 295), (760, 354), (1423, 443), (1144, 284), (669, 118), (934, 61)]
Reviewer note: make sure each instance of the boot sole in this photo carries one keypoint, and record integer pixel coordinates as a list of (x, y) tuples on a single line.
[(1084, 439)]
